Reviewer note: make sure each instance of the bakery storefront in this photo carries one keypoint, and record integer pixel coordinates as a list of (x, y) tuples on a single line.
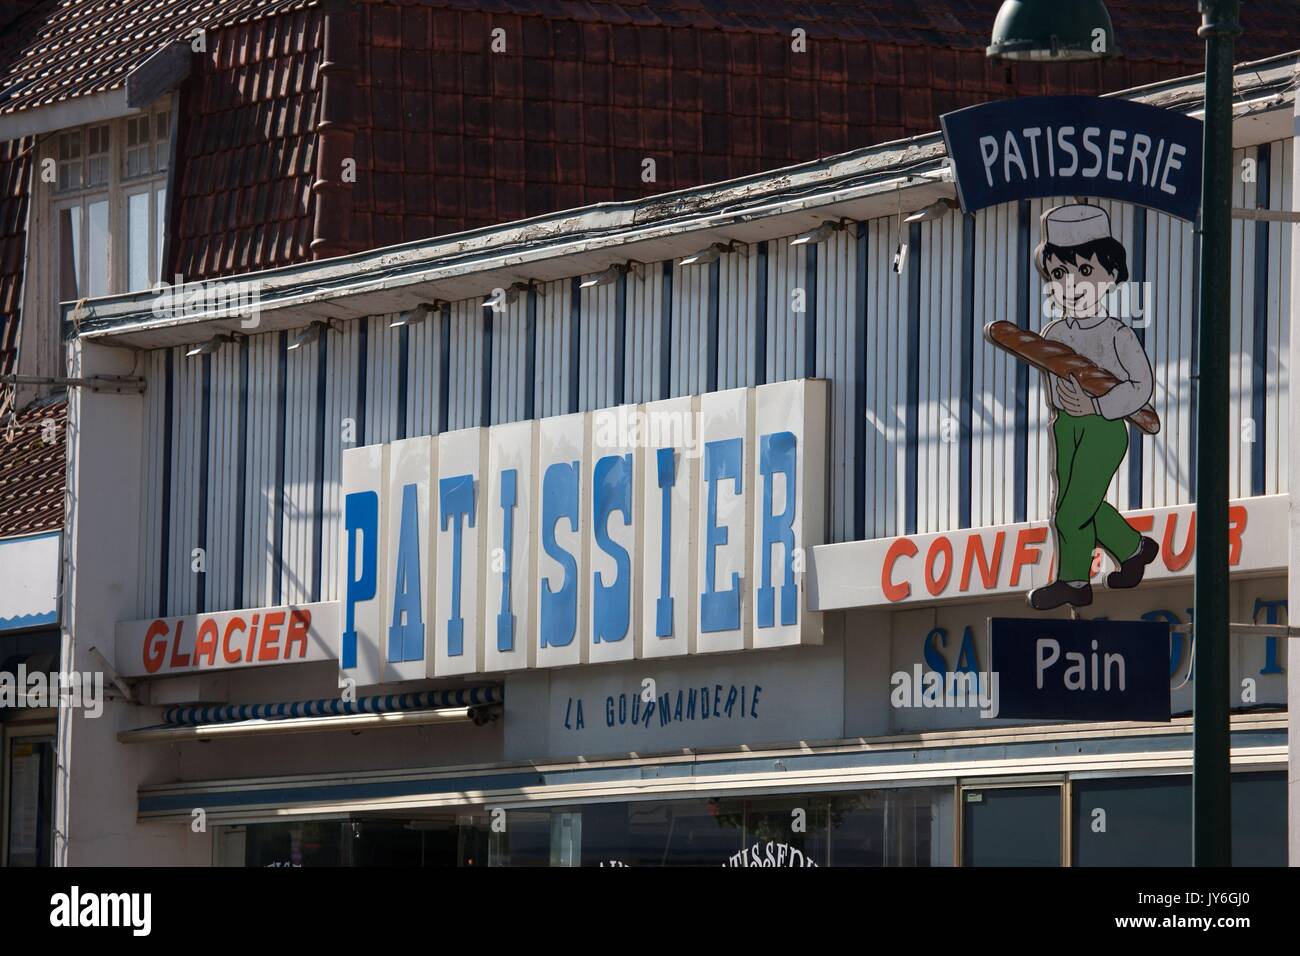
[(642, 535)]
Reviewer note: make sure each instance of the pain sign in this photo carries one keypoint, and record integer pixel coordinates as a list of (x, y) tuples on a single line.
[(1045, 146), (644, 531)]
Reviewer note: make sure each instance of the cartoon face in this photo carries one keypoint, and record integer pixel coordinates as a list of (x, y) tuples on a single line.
[(1077, 287)]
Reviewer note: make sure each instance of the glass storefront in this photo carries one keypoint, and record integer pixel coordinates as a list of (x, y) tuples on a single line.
[(1115, 821)]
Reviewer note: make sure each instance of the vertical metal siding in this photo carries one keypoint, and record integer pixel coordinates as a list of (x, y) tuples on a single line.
[(690, 317), (836, 360), (553, 365), (298, 498), (644, 334), (599, 318), (887, 306), (1278, 432), (223, 480), (509, 358), (786, 273), (736, 317), (340, 412), (261, 504), (424, 374), (152, 499)]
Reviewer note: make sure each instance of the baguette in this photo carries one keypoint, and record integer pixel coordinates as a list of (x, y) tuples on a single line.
[(1059, 359)]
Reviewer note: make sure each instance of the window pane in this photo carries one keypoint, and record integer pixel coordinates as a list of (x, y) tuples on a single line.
[(162, 136), (31, 762), (160, 227), (97, 248), (137, 258), (69, 253), (1015, 826)]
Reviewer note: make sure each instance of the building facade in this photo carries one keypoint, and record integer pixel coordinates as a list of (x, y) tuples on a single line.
[(356, 455)]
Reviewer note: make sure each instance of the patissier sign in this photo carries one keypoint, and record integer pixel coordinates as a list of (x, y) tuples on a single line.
[(644, 531)]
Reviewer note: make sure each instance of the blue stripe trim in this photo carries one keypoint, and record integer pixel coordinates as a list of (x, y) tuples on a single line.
[(403, 377), (282, 415), (620, 340), (913, 447), (760, 316), (711, 347), (205, 457), (363, 363), (575, 341), (810, 313), (530, 359), (241, 501), (1020, 495), (485, 417), (318, 493), (444, 371), (169, 394), (28, 620), (1138, 274), (1259, 348), (967, 383), (666, 333), (860, 388)]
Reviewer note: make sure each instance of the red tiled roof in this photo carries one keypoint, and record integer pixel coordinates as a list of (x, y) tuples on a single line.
[(32, 470), (79, 47), (15, 163), (450, 135)]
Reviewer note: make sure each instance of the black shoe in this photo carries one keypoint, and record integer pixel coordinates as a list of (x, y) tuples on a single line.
[(1058, 593), (1130, 572)]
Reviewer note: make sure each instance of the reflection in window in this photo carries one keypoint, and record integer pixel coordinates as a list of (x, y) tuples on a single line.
[(137, 257)]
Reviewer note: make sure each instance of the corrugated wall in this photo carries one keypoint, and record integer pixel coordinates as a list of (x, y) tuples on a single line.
[(931, 428)]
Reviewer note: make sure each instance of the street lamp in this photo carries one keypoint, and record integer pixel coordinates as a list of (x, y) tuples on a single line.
[(1053, 31), (1071, 30)]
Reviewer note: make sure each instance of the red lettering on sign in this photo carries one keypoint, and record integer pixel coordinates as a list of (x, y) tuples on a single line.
[(1027, 551), (233, 625), (205, 643), (299, 624), (935, 583), (901, 548), (1141, 523), (1236, 525), (1177, 560), (252, 639), (155, 646), (270, 649), (178, 660), (988, 567)]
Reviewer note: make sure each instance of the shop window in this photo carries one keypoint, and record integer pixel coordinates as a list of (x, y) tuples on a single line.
[(29, 775), (1011, 826), (1147, 821)]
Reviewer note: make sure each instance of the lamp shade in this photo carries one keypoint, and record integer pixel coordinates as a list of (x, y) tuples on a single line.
[(1052, 31)]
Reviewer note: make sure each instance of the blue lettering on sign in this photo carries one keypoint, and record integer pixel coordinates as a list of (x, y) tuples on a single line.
[(360, 519), (664, 603), (777, 456), (558, 612), (1044, 146), (612, 603), (406, 633), (719, 610), (457, 504), (967, 658), (506, 619), (1270, 609)]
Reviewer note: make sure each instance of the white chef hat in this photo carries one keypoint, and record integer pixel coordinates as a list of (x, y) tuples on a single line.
[(1075, 224)]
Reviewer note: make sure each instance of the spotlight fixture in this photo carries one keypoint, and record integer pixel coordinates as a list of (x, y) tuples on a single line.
[(610, 275), (210, 346), (307, 335), (421, 312), (936, 210), (509, 295), (707, 255), (820, 234)]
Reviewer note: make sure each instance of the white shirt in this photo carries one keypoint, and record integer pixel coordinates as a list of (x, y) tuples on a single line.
[(1112, 345)]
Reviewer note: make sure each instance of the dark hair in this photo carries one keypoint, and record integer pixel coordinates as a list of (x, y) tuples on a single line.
[(1109, 252)]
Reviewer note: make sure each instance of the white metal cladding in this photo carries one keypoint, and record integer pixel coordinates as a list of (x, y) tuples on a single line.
[(509, 364), (690, 330), (858, 307), (787, 278), (597, 329), (737, 318), (553, 349), (839, 326), (642, 359), (886, 405)]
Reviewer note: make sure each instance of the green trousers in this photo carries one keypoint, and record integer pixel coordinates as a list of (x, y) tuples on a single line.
[(1089, 450)]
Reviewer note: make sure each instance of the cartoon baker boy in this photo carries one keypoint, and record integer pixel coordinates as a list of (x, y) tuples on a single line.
[(1097, 376)]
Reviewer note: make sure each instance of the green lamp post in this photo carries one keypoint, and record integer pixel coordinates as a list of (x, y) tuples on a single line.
[(1056, 31)]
